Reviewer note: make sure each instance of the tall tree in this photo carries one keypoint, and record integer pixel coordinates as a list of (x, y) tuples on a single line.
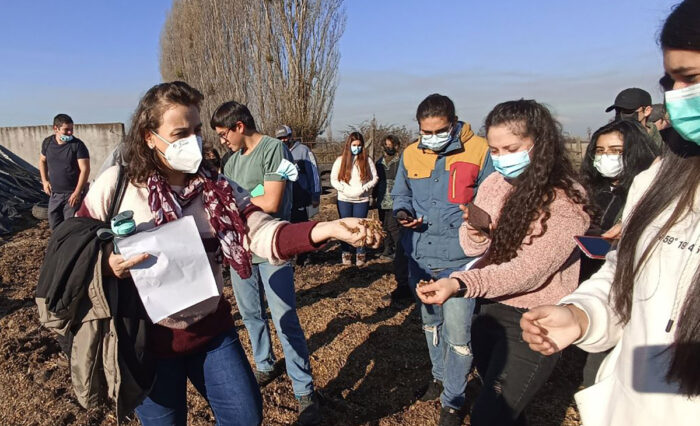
[(279, 57)]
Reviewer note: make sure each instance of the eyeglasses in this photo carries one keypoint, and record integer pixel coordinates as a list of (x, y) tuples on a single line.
[(222, 135), (613, 150)]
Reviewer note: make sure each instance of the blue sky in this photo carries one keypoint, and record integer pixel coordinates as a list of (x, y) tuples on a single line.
[(94, 59)]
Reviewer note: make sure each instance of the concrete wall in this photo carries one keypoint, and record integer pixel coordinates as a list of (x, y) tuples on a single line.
[(99, 138)]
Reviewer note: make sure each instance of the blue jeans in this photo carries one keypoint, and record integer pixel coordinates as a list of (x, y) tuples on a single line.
[(347, 209), (278, 285), (221, 373), (448, 334)]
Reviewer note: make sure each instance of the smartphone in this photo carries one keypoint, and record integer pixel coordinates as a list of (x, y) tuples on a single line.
[(404, 215), (478, 218), (593, 247)]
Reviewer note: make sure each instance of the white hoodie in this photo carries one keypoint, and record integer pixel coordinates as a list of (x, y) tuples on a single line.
[(631, 388), (354, 191)]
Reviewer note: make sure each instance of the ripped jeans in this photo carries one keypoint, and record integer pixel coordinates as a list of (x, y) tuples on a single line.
[(448, 335)]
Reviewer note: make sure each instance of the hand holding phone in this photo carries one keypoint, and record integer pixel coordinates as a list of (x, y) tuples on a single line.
[(404, 215), (407, 220), (479, 219)]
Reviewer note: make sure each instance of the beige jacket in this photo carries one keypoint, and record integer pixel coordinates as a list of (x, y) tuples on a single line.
[(94, 364)]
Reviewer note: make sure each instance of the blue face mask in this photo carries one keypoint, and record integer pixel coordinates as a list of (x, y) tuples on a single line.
[(66, 138), (683, 106), (356, 150), (511, 165)]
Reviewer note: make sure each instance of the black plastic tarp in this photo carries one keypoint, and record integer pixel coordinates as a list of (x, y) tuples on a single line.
[(20, 188)]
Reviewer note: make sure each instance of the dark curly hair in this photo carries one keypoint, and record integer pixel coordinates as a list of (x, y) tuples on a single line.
[(535, 189), (140, 161), (638, 152)]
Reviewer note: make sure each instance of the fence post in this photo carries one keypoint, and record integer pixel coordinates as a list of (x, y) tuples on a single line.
[(580, 153), (371, 137)]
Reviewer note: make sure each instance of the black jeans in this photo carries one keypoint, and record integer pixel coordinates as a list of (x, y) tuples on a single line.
[(590, 369), (392, 245), (511, 372), (391, 227)]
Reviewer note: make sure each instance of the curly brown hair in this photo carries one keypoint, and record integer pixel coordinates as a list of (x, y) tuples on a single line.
[(535, 189), (140, 161)]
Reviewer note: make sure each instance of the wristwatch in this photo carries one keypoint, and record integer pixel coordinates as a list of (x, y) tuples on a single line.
[(462, 287)]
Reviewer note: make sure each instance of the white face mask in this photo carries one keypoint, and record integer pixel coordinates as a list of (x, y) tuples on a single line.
[(184, 154), (609, 165)]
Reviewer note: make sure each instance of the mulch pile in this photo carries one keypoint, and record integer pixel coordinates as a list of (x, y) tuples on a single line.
[(368, 358)]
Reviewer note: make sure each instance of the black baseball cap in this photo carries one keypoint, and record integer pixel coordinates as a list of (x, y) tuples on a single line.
[(631, 99)]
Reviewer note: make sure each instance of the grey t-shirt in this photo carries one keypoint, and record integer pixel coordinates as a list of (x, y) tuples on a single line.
[(259, 165)]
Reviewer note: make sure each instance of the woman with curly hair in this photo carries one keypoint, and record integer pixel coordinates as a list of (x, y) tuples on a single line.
[(618, 152), (536, 207)]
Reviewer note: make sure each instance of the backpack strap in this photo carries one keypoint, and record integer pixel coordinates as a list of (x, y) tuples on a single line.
[(118, 193)]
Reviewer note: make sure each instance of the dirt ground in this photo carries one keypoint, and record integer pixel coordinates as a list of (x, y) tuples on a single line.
[(368, 358)]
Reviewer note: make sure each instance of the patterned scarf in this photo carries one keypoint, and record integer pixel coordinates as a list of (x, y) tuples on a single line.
[(221, 208)]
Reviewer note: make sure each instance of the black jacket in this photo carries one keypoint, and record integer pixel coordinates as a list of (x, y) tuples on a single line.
[(69, 263)]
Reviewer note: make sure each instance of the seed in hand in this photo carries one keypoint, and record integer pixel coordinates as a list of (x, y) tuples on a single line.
[(421, 283)]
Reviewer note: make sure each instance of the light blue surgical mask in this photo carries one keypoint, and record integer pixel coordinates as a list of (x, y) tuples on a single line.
[(683, 106), (356, 149), (66, 138), (435, 142), (512, 165)]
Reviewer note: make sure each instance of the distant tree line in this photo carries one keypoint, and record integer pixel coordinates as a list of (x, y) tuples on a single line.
[(280, 57)]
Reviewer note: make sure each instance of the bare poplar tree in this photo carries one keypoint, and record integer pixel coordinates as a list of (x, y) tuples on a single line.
[(279, 57)]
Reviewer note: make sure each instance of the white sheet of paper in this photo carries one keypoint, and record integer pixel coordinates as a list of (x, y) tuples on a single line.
[(177, 274)]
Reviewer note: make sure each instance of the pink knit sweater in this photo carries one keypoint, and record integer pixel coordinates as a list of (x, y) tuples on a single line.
[(545, 268)]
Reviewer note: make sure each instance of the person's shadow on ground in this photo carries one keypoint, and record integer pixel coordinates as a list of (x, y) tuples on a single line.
[(378, 373), (346, 279)]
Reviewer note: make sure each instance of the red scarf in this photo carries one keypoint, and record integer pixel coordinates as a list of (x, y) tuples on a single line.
[(220, 205)]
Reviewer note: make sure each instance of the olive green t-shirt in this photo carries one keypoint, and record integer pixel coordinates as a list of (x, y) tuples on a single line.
[(259, 165)]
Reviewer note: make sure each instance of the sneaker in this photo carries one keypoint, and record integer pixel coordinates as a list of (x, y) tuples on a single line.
[(63, 361), (347, 258), (449, 417), (265, 377), (361, 260), (432, 391), (309, 409)]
